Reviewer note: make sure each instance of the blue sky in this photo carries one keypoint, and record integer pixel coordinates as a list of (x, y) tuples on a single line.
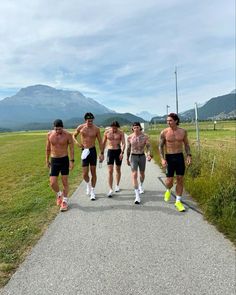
[(122, 53)]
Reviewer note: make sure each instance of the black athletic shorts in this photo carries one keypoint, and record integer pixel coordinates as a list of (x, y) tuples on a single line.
[(114, 156), (59, 165), (91, 158), (175, 164)]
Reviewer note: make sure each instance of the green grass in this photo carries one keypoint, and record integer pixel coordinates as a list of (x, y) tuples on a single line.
[(27, 202), (210, 180)]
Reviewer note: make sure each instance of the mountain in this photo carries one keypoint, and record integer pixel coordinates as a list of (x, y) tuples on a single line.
[(100, 120), (41, 103), (146, 115), (220, 107)]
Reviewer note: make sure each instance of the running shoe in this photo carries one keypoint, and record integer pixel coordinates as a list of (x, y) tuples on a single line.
[(137, 198), (110, 193), (141, 190), (92, 196), (64, 206), (179, 206), (59, 200), (117, 189), (167, 196)]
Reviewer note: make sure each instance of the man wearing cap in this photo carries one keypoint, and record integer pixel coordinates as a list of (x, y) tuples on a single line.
[(137, 142), (57, 160), (115, 140), (171, 144), (88, 135)]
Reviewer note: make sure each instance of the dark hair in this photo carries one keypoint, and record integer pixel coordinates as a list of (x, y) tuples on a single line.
[(58, 123), (88, 116), (115, 124), (174, 117), (137, 124)]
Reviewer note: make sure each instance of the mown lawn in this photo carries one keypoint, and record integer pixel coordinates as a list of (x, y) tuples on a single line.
[(27, 202)]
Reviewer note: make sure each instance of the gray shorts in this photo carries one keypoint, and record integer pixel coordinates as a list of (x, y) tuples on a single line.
[(138, 161)]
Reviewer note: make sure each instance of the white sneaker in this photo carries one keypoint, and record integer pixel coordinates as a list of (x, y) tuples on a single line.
[(92, 196), (110, 193), (137, 198), (117, 189), (141, 190)]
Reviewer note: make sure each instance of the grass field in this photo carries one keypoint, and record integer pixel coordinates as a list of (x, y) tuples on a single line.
[(27, 202), (211, 178)]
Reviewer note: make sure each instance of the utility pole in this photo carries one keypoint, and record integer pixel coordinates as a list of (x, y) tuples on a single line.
[(176, 91), (167, 109)]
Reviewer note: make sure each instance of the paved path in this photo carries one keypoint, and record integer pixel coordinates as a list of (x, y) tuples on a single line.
[(112, 246)]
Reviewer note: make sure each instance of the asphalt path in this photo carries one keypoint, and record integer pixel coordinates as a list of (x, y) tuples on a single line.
[(112, 246)]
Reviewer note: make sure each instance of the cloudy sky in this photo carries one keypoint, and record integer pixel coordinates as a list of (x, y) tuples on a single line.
[(122, 53)]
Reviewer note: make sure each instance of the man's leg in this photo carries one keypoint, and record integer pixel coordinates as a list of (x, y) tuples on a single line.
[(65, 183), (135, 185), (110, 175), (55, 187), (179, 191), (54, 184), (169, 183), (141, 178), (118, 174), (110, 180), (93, 181), (85, 171)]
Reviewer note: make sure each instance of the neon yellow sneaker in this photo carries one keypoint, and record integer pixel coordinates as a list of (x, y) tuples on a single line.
[(179, 206), (167, 196)]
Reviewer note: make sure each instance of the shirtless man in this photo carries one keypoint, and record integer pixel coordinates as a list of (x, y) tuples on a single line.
[(172, 140), (58, 141), (137, 142), (115, 140), (88, 135)]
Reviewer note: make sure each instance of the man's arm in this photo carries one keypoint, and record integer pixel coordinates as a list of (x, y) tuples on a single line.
[(162, 142), (104, 141), (48, 150), (128, 152), (75, 134), (99, 138), (148, 149), (123, 144), (71, 148), (187, 148)]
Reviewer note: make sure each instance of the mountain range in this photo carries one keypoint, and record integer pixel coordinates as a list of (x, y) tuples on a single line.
[(36, 107), (217, 108)]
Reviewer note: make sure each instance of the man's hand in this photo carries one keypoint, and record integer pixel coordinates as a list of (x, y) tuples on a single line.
[(149, 157), (101, 157), (48, 164), (189, 160), (71, 166), (163, 163), (128, 162)]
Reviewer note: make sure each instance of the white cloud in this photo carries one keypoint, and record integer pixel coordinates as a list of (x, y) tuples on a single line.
[(120, 52)]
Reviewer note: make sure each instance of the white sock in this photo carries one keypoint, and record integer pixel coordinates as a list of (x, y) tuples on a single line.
[(178, 198), (92, 189), (65, 199), (136, 192), (59, 194)]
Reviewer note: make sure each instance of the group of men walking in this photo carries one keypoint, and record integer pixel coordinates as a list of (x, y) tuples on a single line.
[(60, 156)]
